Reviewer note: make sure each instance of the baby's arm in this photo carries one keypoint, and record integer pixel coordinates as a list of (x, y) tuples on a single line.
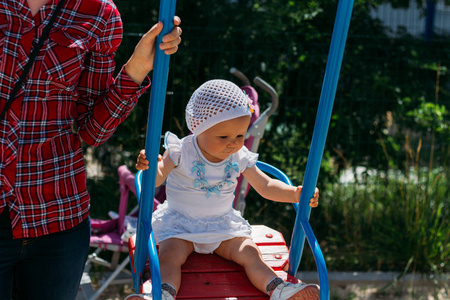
[(165, 166), (274, 189)]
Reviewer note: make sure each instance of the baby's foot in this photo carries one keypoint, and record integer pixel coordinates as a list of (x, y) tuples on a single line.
[(298, 291), (165, 296), (139, 297)]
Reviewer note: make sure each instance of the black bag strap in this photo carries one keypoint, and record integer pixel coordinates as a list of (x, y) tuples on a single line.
[(33, 55)]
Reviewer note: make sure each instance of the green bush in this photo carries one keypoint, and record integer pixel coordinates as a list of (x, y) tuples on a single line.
[(388, 226)]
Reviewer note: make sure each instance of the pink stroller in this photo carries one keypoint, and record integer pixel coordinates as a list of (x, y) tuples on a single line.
[(111, 235)]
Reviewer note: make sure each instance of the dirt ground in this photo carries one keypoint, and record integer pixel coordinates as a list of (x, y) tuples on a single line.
[(340, 291)]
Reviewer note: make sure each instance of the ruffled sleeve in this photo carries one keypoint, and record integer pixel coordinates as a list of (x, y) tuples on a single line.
[(247, 159), (173, 144)]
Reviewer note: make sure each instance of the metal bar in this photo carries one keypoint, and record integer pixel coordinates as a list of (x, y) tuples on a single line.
[(320, 260), (265, 167), (278, 174), (116, 272), (322, 122), (144, 241)]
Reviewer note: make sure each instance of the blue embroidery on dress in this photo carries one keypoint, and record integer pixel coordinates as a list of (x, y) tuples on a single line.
[(213, 189), (202, 182), (233, 166), (198, 167)]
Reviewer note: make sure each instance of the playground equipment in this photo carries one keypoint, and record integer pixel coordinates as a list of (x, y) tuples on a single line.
[(109, 235), (145, 243)]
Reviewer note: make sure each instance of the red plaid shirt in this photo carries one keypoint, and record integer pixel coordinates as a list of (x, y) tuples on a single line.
[(42, 173)]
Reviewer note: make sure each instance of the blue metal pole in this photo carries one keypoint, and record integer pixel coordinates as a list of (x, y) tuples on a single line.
[(144, 237), (323, 117)]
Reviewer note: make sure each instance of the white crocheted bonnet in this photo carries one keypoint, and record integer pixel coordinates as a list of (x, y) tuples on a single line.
[(213, 102)]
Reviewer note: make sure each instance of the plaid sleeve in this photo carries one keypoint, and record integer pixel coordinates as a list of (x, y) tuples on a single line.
[(104, 102)]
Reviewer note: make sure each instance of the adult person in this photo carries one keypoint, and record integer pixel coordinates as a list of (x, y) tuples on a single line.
[(44, 203)]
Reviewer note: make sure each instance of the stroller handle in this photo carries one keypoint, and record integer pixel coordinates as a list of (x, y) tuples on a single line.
[(240, 75), (271, 91), (262, 84)]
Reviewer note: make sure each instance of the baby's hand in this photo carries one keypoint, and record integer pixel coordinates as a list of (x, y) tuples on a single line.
[(142, 162), (314, 201)]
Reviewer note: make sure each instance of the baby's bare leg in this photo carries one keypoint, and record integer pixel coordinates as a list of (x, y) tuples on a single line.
[(245, 252), (172, 255)]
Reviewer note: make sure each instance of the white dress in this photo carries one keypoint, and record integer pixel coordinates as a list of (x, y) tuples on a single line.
[(200, 196)]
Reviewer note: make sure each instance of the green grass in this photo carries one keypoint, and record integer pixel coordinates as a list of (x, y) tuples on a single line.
[(387, 223)]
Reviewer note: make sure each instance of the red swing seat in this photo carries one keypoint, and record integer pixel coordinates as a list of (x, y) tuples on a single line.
[(209, 276)]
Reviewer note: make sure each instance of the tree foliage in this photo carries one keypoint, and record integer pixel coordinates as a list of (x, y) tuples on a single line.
[(383, 81)]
